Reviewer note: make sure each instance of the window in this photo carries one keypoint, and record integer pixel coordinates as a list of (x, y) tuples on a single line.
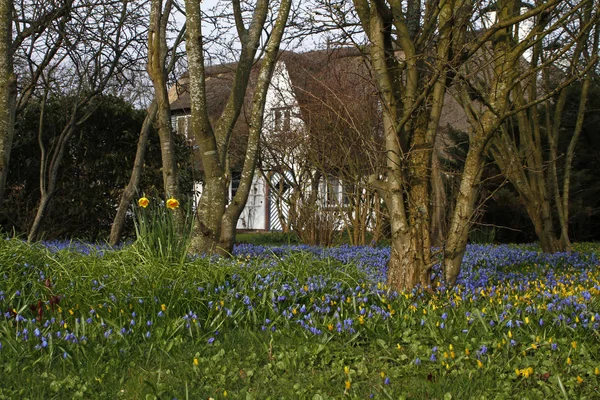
[(330, 194), (235, 184)]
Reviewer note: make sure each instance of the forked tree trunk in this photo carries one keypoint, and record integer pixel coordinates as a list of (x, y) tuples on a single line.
[(215, 220), (157, 55), (49, 165)]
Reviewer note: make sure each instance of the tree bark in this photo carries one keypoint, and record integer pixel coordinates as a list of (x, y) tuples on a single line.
[(8, 91), (213, 228), (234, 209), (157, 55)]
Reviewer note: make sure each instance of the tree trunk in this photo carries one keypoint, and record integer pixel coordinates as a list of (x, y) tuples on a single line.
[(440, 204), (458, 232), (134, 180), (49, 169), (209, 214), (234, 209), (40, 214), (8, 91), (541, 218), (157, 54), (408, 266)]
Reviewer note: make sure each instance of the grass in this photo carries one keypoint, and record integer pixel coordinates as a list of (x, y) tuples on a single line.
[(295, 322)]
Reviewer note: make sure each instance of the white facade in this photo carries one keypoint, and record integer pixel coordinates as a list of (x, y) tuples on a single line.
[(282, 115)]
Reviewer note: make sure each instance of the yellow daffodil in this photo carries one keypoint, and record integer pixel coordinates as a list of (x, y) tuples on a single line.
[(196, 361), (172, 204), (143, 202)]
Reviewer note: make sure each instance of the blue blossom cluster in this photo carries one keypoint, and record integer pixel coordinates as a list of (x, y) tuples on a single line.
[(513, 292)]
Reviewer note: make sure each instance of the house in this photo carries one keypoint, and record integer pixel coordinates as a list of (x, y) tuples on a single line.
[(321, 134)]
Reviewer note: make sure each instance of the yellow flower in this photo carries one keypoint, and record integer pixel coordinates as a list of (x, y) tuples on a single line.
[(196, 361), (527, 372), (172, 204), (579, 379), (596, 371), (330, 327), (467, 351), (143, 202), (346, 370), (569, 360), (163, 307), (347, 383), (479, 364), (382, 374), (574, 344), (224, 393)]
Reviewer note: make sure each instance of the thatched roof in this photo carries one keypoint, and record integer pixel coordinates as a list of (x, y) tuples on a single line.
[(322, 81)]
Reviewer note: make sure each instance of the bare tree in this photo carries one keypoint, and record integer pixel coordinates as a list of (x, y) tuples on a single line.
[(100, 41), (416, 50), (30, 21), (215, 220), (132, 185), (565, 50), (322, 163), (157, 55)]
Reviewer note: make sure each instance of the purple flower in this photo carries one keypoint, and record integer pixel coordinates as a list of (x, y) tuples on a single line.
[(211, 340)]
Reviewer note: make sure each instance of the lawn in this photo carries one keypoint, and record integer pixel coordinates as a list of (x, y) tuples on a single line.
[(295, 322)]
